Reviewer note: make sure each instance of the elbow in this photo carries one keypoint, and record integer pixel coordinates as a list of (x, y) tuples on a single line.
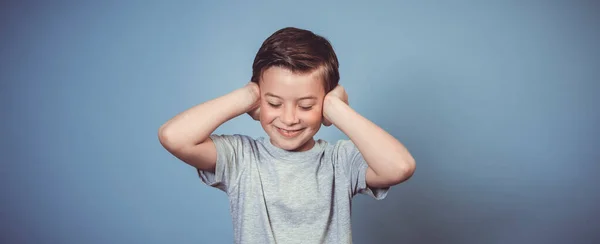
[(162, 134), (410, 169), (405, 170), (163, 137), (166, 138)]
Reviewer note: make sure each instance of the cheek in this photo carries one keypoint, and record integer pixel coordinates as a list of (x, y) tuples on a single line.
[(267, 114), (313, 117)]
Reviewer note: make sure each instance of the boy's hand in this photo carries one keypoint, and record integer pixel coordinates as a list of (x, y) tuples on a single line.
[(337, 93), (254, 110)]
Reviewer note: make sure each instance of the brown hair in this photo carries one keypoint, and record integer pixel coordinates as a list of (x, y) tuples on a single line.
[(300, 51)]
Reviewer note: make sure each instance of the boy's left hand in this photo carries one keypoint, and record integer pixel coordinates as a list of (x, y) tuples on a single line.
[(337, 93)]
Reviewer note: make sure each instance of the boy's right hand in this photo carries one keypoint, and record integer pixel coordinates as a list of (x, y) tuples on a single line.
[(254, 110)]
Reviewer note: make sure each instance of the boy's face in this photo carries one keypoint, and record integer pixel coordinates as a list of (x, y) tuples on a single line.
[(291, 107)]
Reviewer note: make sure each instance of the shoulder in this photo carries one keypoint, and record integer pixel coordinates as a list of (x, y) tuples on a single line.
[(236, 141), (233, 137), (345, 158), (341, 147), (341, 151)]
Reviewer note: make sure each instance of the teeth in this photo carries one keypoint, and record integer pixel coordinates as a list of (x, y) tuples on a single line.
[(289, 132)]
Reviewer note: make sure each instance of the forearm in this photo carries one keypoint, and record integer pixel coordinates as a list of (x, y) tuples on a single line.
[(384, 154), (195, 125)]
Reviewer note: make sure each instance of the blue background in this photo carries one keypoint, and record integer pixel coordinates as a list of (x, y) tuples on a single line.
[(498, 102)]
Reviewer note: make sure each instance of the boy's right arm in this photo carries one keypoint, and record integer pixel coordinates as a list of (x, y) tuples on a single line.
[(186, 135)]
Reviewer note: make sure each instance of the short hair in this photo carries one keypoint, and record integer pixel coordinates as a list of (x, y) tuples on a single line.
[(300, 51)]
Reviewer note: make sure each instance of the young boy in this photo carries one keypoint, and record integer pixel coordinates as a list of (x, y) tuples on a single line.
[(289, 187)]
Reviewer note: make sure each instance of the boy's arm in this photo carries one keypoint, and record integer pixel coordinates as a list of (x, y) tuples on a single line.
[(389, 161), (186, 135)]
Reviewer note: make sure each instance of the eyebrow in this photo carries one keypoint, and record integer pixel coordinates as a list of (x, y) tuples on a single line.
[(302, 98)]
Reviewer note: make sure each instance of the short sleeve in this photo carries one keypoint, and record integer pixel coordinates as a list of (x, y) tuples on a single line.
[(229, 155), (356, 167)]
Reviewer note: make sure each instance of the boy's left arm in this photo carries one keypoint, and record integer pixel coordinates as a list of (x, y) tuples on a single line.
[(389, 161)]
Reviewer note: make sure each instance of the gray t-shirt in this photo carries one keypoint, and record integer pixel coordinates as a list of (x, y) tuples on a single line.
[(277, 196)]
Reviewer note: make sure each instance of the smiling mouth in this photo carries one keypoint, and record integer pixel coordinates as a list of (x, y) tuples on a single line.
[(289, 133)]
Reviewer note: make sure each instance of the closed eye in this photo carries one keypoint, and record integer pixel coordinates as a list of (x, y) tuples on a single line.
[(275, 105), (306, 108)]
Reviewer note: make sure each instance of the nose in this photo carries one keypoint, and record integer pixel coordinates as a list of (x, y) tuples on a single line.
[(289, 116)]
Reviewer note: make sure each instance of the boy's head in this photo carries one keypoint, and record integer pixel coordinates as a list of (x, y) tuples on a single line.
[(300, 51), (294, 69)]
